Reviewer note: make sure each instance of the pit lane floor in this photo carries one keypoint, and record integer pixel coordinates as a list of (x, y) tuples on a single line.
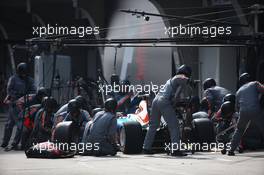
[(15, 162), (213, 163)]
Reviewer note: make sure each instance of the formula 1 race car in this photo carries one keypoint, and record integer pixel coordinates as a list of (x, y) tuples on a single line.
[(132, 130), (133, 127)]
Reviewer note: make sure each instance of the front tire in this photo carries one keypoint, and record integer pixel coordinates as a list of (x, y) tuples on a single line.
[(131, 138)]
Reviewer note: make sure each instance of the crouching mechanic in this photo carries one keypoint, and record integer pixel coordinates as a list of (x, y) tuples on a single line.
[(226, 119), (31, 99), (28, 124), (77, 116), (162, 105), (62, 112), (247, 101), (44, 121), (81, 100), (102, 131), (214, 95)]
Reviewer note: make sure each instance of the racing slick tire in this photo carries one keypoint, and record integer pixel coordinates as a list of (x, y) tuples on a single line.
[(203, 130), (66, 132), (200, 114), (131, 138)]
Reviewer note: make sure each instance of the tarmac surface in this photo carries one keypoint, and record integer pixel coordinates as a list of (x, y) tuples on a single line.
[(213, 163)]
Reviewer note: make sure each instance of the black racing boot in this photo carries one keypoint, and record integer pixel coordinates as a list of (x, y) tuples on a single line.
[(178, 154), (4, 145), (231, 153), (15, 147), (240, 149), (223, 151), (147, 151)]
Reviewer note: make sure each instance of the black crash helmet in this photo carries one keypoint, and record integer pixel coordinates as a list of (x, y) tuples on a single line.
[(49, 103), (42, 92), (110, 105), (185, 70), (208, 83), (230, 97), (73, 106), (22, 69), (227, 109), (95, 111), (244, 78), (82, 101)]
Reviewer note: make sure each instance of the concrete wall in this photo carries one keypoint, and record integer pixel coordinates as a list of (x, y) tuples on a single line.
[(208, 64), (220, 64), (227, 68)]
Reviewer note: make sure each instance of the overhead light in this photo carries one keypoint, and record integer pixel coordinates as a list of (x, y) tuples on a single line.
[(146, 18)]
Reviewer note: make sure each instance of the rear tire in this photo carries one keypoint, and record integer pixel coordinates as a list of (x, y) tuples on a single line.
[(66, 132), (131, 138), (203, 130)]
